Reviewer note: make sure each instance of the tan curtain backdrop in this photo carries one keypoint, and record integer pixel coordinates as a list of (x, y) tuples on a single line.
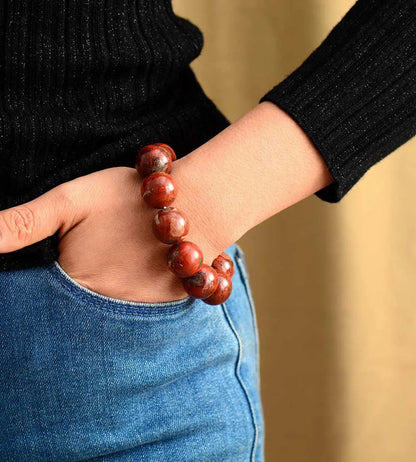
[(334, 284)]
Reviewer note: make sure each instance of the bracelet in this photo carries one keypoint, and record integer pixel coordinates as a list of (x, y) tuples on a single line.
[(212, 284)]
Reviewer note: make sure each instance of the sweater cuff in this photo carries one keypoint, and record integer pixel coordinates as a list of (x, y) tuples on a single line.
[(354, 96)]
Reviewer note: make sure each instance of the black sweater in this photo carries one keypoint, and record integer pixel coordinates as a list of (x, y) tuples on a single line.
[(85, 84)]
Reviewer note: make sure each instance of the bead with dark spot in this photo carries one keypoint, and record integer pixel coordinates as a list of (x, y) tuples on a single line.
[(223, 291), (224, 264), (203, 283)]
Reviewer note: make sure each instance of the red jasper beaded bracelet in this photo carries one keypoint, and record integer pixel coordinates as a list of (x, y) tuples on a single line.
[(212, 284)]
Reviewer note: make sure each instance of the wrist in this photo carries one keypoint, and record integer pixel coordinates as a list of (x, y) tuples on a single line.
[(256, 167), (209, 226)]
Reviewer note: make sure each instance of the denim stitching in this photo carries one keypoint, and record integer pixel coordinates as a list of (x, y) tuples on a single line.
[(240, 259), (237, 373), (91, 294), (135, 311)]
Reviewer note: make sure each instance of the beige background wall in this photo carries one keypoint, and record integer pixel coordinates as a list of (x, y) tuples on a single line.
[(334, 284)]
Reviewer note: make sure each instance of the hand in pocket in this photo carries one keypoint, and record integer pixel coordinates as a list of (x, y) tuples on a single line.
[(105, 233)]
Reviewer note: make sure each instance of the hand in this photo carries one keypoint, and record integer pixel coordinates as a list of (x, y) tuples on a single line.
[(105, 233)]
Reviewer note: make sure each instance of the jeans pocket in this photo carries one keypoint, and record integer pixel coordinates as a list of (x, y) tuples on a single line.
[(63, 282)]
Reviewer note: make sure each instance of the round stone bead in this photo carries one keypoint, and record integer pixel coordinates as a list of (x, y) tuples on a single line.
[(159, 189), (151, 159), (170, 225), (168, 148), (223, 291), (224, 264), (185, 258), (203, 283)]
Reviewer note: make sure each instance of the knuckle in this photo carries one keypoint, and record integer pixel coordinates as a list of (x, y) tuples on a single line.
[(69, 195), (63, 196), (19, 221), (67, 199)]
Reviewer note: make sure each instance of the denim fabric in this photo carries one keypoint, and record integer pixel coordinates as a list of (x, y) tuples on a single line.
[(89, 377)]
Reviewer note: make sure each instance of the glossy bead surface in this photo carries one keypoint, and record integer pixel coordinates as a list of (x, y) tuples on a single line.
[(224, 264), (203, 283), (159, 189), (170, 225), (151, 159), (168, 148), (185, 259), (222, 292)]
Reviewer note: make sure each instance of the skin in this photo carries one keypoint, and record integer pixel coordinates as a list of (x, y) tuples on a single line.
[(256, 167)]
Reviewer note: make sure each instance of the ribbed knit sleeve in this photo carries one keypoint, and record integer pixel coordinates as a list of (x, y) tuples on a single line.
[(355, 95), (83, 86)]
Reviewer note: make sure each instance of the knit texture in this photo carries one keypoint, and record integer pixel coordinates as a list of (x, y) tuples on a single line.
[(355, 95), (84, 84)]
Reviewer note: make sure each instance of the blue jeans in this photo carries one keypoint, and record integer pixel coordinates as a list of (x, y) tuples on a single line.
[(88, 377)]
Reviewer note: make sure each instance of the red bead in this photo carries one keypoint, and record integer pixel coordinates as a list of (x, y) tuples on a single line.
[(169, 149), (170, 225), (224, 264), (223, 291), (151, 159), (185, 258), (159, 189), (203, 283)]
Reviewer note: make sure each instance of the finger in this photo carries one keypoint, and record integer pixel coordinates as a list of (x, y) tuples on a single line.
[(35, 220)]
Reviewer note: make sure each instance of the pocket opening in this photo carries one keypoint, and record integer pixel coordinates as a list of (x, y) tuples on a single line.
[(83, 294)]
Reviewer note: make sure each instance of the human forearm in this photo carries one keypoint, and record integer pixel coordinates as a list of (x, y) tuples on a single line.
[(256, 167)]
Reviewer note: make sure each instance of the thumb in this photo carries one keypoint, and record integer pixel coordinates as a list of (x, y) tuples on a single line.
[(37, 219)]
